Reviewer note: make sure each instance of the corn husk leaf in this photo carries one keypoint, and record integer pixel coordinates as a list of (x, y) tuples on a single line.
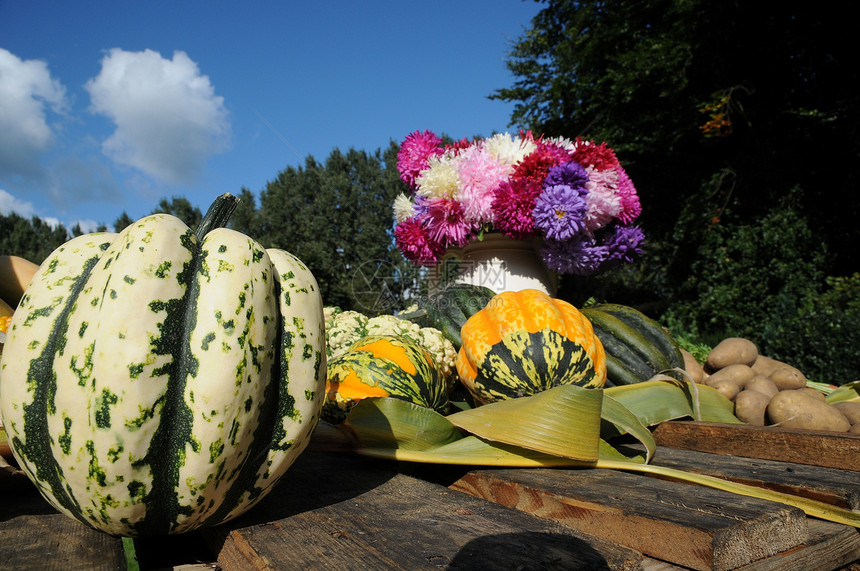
[(618, 419), (394, 423), (665, 398), (562, 421), (846, 393), (812, 508), (398, 430), (393, 429)]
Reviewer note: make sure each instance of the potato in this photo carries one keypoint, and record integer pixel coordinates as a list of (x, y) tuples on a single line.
[(763, 385), (693, 367), (726, 388), (814, 393), (787, 378), (799, 409), (750, 407), (765, 365), (737, 374), (731, 351), (850, 409)]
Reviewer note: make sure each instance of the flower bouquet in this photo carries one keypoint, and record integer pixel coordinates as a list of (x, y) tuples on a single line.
[(573, 195)]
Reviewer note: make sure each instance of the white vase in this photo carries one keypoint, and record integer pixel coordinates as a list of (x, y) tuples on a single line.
[(497, 262)]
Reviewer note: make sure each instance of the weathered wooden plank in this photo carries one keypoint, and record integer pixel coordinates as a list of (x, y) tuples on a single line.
[(694, 527), (830, 485), (350, 513), (830, 546), (828, 449), (36, 536)]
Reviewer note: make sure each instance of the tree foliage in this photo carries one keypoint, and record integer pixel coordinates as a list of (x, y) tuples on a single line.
[(710, 105), (31, 238), (336, 217), (738, 123)]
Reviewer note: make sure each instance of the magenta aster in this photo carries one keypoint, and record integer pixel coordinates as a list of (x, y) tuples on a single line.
[(414, 153), (599, 157), (445, 222), (413, 241), (513, 203), (630, 206), (535, 166)]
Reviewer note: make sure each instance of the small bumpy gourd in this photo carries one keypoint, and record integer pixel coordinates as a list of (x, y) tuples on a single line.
[(526, 342), (384, 366)]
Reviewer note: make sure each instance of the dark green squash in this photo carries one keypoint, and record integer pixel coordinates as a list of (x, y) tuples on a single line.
[(637, 347), (449, 308)]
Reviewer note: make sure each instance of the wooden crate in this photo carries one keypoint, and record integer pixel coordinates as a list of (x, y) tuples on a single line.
[(348, 512)]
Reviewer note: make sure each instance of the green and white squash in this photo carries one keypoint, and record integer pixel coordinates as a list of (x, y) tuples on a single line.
[(155, 381)]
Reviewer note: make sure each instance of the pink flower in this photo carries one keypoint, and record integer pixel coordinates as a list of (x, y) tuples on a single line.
[(414, 153), (599, 157), (415, 243), (513, 203), (445, 222), (630, 205), (480, 175), (603, 206)]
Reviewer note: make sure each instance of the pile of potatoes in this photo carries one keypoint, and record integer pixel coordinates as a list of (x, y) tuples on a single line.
[(769, 392)]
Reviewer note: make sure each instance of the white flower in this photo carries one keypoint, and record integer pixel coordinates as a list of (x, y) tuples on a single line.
[(440, 179), (507, 149), (404, 208)]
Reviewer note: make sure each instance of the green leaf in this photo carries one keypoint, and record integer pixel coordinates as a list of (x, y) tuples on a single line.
[(562, 421), (395, 423), (847, 392), (625, 422), (656, 401)]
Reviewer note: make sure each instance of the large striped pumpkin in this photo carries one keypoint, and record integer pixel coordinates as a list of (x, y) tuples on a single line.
[(153, 382), (526, 342)]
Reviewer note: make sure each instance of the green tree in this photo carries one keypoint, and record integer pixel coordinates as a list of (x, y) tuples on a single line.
[(738, 124), (246, 218), (123, 222), (710, 105), (181, 208), (337, 218), (32, 239)]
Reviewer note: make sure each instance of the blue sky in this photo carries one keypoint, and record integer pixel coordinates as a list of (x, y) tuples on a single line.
[(107, 107)]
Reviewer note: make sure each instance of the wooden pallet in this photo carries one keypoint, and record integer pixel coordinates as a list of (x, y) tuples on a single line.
[(348, 512)]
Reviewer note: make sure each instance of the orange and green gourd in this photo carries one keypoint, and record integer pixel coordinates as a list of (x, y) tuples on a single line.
[(383, 366), (526, 342)]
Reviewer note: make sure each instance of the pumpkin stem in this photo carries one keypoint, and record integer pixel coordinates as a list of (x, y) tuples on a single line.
[(217, 215)]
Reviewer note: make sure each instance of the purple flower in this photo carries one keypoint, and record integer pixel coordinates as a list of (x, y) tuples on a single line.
[(571, 174), (623, 245), (580, 255), (560, 211)]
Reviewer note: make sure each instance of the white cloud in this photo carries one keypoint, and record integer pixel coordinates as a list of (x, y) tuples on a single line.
[(168, 119), (10, 204), (26, 89)]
